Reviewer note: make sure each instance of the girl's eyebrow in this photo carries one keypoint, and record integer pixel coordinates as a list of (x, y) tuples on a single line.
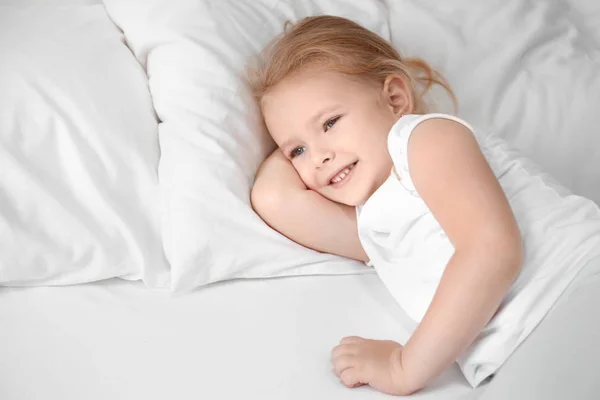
[(317, 117), (287, 143)]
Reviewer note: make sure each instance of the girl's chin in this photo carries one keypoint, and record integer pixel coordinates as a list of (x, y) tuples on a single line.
[(351, 199)]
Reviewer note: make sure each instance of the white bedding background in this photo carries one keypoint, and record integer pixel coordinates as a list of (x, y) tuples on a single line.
[(78, 152), (526, 70)]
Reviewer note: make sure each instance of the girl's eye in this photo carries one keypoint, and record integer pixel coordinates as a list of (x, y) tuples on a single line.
[(298, 151), (330, 123)]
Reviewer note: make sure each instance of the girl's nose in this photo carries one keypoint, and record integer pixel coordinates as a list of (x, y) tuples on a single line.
[(323, 157)]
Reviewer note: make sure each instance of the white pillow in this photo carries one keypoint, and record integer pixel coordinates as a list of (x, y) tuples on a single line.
[(525, 70), (211, 139), (78, 152)]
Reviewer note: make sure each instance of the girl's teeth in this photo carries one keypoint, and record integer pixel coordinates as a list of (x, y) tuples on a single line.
[(341, 176)]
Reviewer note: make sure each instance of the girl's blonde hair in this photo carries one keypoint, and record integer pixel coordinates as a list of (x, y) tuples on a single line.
[(340, 45)]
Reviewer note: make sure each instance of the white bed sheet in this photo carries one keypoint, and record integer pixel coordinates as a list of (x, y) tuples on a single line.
[(253, 339)]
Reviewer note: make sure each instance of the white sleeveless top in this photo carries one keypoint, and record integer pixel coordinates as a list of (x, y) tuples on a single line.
[(409, 249)]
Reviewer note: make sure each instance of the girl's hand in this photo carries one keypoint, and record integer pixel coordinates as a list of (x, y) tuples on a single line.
[(377, 363)]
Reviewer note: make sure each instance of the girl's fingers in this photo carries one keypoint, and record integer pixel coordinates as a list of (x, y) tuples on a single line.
[(349, 377), (342, 363), (343, 349), (351, 339)]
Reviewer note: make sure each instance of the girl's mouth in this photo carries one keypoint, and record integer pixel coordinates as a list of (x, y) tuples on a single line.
[(343, 176)]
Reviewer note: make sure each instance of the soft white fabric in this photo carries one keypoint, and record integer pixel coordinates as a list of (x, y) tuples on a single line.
[(36, 3), (526, 70), (585, 15), (243, 339), (570, 333), (211, 138), (78, 152), (410, 250)]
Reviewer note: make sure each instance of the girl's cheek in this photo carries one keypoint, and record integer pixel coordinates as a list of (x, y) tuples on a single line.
[(307, 178)]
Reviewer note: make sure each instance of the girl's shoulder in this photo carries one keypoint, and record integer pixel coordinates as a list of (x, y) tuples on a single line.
[(399, 137), (407, 123)]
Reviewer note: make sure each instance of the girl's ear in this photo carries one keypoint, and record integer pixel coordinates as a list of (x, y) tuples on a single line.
[(398, 96)]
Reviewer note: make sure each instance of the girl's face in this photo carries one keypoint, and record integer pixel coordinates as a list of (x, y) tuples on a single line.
[(334, 130)]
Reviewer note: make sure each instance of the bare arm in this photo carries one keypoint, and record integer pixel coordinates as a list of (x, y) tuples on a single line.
[(455, 181), (282, 200)]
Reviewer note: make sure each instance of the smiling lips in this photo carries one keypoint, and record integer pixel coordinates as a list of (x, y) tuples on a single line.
[(341, 177)]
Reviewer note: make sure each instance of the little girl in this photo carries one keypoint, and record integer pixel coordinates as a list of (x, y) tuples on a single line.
[(473, 241)]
